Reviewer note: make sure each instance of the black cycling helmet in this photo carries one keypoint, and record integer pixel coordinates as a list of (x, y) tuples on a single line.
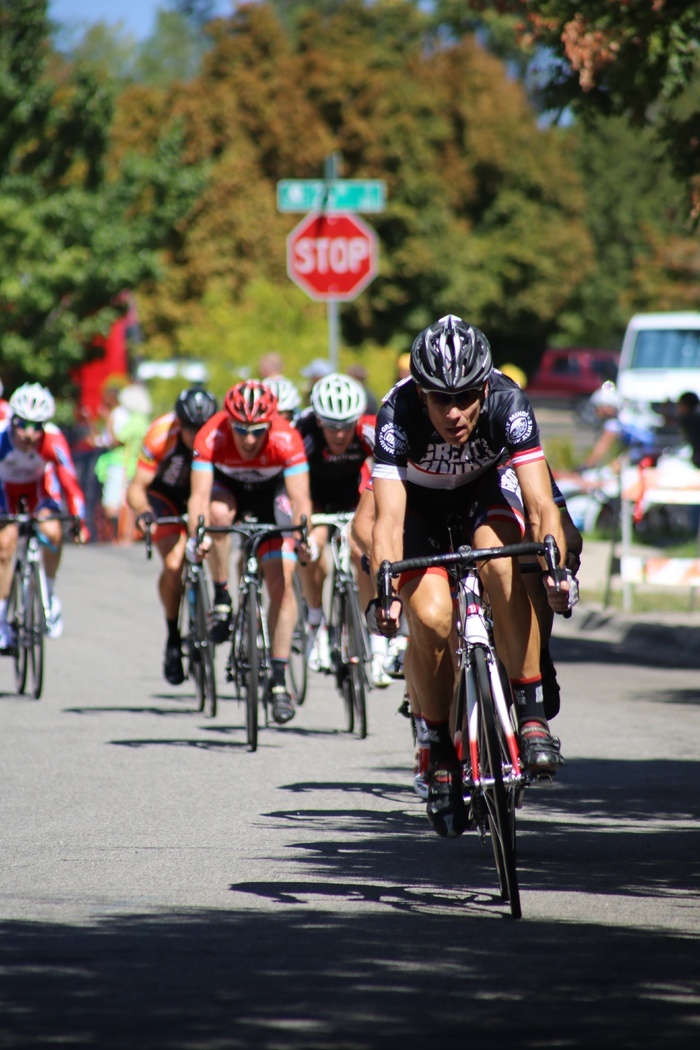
[(195, 406), (451, 355)]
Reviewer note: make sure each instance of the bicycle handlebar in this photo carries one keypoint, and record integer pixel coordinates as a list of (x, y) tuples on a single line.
[(468, 557), (255, 532), (148, 526)]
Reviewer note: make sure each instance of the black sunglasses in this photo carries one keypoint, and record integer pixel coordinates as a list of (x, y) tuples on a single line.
[(26, 424), (462, 400)]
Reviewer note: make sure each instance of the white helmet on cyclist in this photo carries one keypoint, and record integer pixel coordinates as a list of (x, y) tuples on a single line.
[(33, 402), (288, 399), (338, 398)]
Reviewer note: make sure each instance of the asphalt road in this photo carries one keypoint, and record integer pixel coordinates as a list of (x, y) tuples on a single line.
[(161, 887)]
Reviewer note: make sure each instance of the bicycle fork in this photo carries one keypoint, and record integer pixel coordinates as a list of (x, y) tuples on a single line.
[(475, 633)]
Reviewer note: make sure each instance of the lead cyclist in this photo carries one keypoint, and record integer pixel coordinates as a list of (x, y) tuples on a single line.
[(457, 440)]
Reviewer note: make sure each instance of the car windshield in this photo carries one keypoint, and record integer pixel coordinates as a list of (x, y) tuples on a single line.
[(666, 348)]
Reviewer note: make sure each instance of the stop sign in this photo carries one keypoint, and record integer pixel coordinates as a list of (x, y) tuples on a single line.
[(332, 256)]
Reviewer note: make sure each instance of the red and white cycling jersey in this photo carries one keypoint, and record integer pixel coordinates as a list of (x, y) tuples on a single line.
[(281, 455), (44, 473)]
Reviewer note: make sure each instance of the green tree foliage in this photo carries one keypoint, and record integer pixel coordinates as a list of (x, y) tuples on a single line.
[(485, 210), (634, 58), (74, 231)]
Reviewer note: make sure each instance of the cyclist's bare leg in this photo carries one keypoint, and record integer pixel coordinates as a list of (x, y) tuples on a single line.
[(278, 574), (172, 551), (222, 511), (8, 545), (51, 555), (429, 670)]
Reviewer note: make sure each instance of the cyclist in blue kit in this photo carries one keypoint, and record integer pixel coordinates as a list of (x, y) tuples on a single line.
[(458, 452)]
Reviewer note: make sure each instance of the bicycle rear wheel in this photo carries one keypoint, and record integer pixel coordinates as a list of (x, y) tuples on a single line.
[(205, 675), (500, 802), (297, 668), (15, 618), (355, 653), (35, 621)]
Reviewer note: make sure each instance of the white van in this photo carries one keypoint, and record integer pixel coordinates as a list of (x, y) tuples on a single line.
[(660, 357)]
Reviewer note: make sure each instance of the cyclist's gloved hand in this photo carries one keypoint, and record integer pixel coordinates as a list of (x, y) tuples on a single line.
[(379, 622), (82, 533), (563, 600), (304, 551), (192, 551), (145, 519), (313, 549)]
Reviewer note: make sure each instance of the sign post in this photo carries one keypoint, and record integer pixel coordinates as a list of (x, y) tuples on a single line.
[(332, 255)]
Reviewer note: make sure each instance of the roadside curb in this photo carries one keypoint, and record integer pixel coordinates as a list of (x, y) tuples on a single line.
[(659, 638)]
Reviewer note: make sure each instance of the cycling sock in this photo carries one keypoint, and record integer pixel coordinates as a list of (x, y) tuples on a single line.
[(279, 671), (221, 595), (529, 700), (314, 617), (438, 736), (377, 645), (50, 581), (173, 632), (3, 610)]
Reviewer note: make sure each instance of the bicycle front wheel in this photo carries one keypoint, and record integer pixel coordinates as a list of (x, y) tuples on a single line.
[(206, 679), (15, 618), (35, 623), (251, 620), (298, 670), (500, 802), (355, 652)]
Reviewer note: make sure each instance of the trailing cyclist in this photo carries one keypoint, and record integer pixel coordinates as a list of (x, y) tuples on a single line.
[(248, 460), (458, 449), (339, 440), (161, 488), (37, 474)]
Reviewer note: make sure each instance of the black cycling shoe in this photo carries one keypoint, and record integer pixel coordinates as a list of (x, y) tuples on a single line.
[(446, 809), (172, 665), (540, 752), (550, 686), (220, 623), (283, 709)]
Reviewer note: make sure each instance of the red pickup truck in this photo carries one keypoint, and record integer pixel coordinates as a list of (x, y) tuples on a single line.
[(572, 373)]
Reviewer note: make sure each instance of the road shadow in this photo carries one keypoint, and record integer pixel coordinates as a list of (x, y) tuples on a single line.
[(293, 977), (636, 652)]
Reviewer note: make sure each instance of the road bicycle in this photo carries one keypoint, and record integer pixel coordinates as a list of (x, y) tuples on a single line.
[(194, 618), (28, 604), (348, 637), (485, 719), (249, 663)]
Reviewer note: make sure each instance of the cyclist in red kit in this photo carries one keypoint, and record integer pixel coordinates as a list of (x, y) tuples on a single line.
[(246, 460)]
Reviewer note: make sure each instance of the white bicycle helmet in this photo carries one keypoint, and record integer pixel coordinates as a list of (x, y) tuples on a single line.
[(33, 402), (288, 398), (338, 398)]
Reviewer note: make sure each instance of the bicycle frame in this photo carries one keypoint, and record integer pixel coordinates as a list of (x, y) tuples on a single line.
[(249, 664), (349, 640), (493, 779), (29, 603), (199, 647), (474, 628)]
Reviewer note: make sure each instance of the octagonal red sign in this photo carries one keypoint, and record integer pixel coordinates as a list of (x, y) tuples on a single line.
[(332, 256)]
